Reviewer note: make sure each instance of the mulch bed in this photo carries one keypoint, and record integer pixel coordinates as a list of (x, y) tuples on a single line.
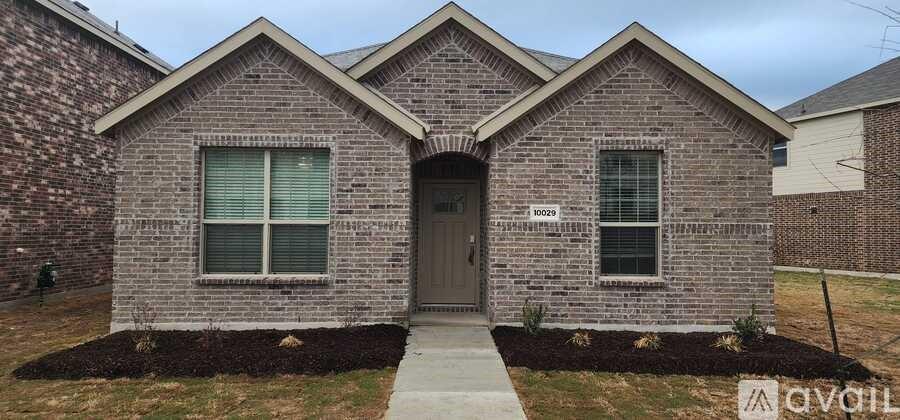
[(681, 353), (254, 353)]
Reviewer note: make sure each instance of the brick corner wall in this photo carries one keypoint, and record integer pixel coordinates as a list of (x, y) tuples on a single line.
[(56, 192), (882, 195)]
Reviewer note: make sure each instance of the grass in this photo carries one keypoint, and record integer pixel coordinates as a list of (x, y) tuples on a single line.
[(30, 331), (867, 314)]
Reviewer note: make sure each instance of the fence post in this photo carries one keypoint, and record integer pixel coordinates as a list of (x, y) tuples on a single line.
[(834, 343)]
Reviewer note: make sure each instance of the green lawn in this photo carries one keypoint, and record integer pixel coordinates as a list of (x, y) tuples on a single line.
[(28, 332), (866, 314)]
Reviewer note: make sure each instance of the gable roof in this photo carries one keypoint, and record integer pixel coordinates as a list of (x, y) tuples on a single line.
[(346, 59), (390, 111), (634, 32), (450, 11), (87, 21), (879, 85)]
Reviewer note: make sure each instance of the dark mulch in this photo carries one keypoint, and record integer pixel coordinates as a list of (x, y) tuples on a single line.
[(254, 353), (683, 354)]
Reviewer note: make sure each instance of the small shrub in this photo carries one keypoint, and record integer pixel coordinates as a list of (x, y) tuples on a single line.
[(750, 328), (649, 341), (290, 342), (211, 335), (145, 344), (353, 316), (729, 342), (533, 317), (143, 317), (580, 339)]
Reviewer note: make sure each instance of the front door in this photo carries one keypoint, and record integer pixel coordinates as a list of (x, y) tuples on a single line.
[(448, 243)]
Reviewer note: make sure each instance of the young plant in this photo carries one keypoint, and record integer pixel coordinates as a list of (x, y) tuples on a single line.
[(290, 342), (580, 339), (353, 316), (211, 335), (143, 316), (750, 328), (145, 344), (648, 341), (533, 317), (729, 342)]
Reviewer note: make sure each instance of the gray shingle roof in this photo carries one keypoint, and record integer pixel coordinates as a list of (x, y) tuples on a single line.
[(346, 59), (876, 84), (102, 26)]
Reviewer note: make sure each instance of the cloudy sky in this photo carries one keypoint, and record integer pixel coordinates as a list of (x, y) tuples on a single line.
[(776, 51)]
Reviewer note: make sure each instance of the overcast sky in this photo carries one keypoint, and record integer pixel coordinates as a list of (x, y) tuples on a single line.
[(775, 51)]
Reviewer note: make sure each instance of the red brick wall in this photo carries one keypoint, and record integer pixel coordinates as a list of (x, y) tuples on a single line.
[(56, 189), (851, 230), (819, 230), (882, 198)]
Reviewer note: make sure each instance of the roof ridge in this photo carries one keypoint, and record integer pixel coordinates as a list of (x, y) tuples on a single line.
[(379, 44), (548, 53)]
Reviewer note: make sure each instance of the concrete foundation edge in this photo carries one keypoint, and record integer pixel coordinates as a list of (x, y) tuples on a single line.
[(55, 297), (892, 276)]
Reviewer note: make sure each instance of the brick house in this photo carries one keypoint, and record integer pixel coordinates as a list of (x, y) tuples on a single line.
[(837, 184), (263, 185), (62, 68)]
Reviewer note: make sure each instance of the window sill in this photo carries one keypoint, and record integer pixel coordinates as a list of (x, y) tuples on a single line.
[(630, 281), (263, 280)]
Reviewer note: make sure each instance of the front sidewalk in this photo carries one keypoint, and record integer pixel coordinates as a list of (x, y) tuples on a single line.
[(453, 372)]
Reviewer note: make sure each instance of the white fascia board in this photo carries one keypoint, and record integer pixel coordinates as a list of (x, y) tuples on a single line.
[(262, 27), (636, 32)]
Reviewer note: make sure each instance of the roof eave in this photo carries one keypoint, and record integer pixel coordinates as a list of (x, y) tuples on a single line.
[(259, 27), (843, 110), (128, 49), (635, 32), (450, 11)]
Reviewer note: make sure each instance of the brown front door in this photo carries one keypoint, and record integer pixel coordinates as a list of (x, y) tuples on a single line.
[(448, 243)]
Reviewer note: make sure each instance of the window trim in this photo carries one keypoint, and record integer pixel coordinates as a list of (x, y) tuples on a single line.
[(637, 278), (266, 221), (787, 155)]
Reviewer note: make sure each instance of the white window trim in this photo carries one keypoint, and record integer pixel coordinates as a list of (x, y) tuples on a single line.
[(266, 221), (787, 156), (657, 224)]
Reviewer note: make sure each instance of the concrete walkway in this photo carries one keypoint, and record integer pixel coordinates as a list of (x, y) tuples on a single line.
[(452, 372)]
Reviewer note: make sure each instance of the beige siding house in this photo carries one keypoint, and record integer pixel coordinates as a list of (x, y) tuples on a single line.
[(836, 186), (811, 157)]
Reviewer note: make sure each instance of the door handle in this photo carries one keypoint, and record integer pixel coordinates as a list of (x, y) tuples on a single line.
[(472, 250)]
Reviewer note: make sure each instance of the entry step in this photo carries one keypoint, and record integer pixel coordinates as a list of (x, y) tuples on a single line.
[(459, 319)]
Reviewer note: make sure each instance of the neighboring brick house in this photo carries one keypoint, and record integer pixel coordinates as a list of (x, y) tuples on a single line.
[(62, 68), (837, 185), (447, 170)]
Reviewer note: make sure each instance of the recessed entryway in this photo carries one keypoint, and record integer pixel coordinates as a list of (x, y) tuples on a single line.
[(448, 215)]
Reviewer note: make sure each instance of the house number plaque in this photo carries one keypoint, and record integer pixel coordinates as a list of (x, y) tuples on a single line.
[(543, 213)]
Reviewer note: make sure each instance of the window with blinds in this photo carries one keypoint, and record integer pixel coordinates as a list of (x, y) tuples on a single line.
[(265, 211), (629, 213)]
